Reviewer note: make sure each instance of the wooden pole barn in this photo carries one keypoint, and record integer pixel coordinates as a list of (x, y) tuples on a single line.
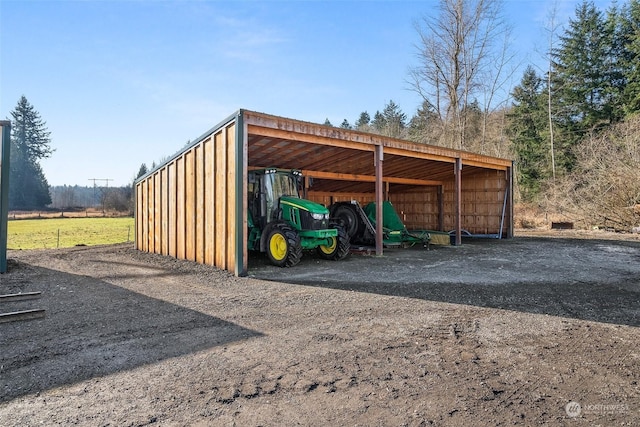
[(194, 206)]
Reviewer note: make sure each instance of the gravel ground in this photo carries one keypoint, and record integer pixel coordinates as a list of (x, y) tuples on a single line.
[(528, 331)]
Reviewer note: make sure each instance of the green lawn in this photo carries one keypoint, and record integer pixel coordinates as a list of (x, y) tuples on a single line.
[(68, 232)]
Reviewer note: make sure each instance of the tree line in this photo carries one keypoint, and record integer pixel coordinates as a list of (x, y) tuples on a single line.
[(65, 197), (592, 83), (582, 104)]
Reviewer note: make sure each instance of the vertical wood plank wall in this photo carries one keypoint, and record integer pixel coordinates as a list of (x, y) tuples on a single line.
[(186, 209), (482, 201), (418, 208)]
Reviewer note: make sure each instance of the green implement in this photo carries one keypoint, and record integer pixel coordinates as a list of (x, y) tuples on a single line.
[(395, 233)]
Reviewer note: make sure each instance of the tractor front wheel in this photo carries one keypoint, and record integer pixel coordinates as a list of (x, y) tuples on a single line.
[(283, 246), (339, 247)]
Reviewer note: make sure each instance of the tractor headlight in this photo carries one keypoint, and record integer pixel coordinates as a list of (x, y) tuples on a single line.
[(319, 217)]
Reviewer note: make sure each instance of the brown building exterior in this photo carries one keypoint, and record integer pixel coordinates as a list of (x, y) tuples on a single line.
[(194, 206)]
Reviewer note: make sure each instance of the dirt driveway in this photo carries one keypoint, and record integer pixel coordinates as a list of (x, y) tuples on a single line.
[(527, 331)]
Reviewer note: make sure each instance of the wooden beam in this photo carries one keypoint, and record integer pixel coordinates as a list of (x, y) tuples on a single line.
[(368, 178), (21, 315), (440, 154), (378, 158), (275, 122), (313, 139), (361, 178), (20, 297), (263, 124), (485, 165), (437, 157)]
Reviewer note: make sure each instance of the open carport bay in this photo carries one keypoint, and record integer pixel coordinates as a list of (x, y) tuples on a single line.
[(583, 278), (489, 333)]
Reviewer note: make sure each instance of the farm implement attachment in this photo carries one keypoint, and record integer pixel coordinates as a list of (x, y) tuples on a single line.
[(360, 225)]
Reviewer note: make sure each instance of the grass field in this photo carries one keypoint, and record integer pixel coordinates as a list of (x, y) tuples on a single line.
[(68, 232)]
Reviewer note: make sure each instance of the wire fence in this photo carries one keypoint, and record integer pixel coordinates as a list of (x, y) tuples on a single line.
[(65, 233)]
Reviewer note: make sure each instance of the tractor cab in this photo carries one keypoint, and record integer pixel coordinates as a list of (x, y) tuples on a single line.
[(265, 190)]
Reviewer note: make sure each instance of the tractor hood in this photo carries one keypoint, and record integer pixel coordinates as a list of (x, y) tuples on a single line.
[(305, 205)]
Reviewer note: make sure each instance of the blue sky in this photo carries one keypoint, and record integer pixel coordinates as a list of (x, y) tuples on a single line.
[(121, 83)]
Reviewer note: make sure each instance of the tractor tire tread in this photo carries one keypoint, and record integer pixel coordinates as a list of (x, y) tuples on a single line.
[(294, 247)]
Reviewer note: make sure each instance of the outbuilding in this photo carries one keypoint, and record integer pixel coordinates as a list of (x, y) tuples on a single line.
[(194, 206)]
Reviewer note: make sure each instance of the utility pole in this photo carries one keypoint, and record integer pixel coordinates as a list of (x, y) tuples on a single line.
[(106, 181)]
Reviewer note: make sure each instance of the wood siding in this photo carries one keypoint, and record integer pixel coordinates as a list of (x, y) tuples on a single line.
[(186, 209), (193, 207), (482, 204), (419, 207)]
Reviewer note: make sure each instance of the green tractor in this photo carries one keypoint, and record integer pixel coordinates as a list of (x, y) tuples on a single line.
[(283, 225)]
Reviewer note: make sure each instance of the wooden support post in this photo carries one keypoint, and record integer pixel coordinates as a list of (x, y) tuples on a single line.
[(379, 198), (241, 196), (440, 207), (305, 192), (458, 201), (5, 136), (510, 201)]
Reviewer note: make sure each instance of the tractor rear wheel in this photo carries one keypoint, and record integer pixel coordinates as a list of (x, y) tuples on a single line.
[(339, 247), (349, 217), (283, 246)]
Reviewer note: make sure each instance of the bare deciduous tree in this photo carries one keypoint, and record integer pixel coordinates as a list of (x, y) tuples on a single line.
[(462, 58), (551, 29)]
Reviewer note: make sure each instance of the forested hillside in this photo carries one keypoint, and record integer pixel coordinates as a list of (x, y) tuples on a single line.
[(573, 128)]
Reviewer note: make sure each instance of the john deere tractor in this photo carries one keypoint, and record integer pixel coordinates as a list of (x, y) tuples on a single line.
[(283, 225)]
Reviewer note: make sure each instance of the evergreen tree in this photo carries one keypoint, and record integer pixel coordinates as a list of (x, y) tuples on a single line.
[(527, 124), (142, 171), (615, 82), (390, 122), (629, 36), (345, 124), (327, 122), (378, 122), (394, 120), (30, 142), (424, 125), (583, 100), (363, 121)]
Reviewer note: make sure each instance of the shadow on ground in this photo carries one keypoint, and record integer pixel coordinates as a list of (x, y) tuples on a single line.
[(92, 329), (597, 280)]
